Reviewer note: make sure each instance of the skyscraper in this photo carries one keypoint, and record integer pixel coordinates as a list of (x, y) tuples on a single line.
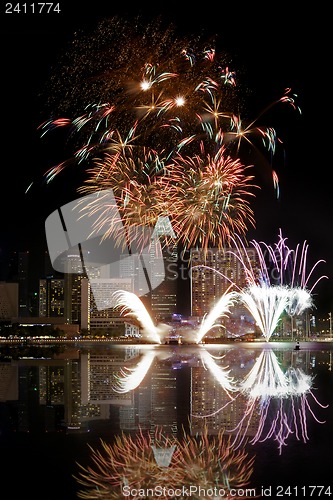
[(212, 273)]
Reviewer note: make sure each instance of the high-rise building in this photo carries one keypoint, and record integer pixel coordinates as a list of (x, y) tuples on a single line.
[(101, 290), (164, 295), (18, 271), (212, 273), (51, 297), (9, 305), (72, 289), (163, 278), (161, 300), (132, 268)]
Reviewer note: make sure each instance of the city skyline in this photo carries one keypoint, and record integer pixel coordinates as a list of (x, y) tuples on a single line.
[(302, 210)]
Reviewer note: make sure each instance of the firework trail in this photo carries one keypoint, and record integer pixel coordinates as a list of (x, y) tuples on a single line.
[(161, 127)]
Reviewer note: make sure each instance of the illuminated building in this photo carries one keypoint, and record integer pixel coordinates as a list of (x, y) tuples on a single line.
[(212, 272)]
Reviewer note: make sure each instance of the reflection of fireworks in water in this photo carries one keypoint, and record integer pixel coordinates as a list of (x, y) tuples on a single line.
[(126, 462), (203, 463), (156, 131), (220, 373), (130, 378), (277, 403), (280, 399)]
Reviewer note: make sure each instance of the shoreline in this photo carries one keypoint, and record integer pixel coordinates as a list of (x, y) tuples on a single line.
[(43, 341)]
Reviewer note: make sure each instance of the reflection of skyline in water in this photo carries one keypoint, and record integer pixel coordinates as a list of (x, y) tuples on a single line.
[(58, 404), (145, 387)]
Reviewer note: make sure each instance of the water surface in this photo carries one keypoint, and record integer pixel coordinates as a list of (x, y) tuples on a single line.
[(273, 404)]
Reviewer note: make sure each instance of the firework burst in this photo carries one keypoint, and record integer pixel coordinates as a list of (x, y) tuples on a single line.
[(161, 127), (206, 198), (210, 198)]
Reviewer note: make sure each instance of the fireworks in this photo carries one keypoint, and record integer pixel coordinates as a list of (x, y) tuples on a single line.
[(129, 304), (160, 125), (281, 399), (141, 463), (278, 282), (266, 304), (210, 200), (222, 308), (276, 404)]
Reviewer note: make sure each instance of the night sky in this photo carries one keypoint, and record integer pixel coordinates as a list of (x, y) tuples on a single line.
[(276, 50)]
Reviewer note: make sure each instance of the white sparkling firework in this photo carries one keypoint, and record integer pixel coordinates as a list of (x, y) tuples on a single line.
[(222, 308), (130, 305), (266, 304), (279, 282)]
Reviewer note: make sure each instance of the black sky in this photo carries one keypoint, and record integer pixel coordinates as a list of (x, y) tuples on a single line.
[(278, 48)]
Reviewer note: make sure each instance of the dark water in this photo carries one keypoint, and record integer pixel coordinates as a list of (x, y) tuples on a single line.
[(273, 402)]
